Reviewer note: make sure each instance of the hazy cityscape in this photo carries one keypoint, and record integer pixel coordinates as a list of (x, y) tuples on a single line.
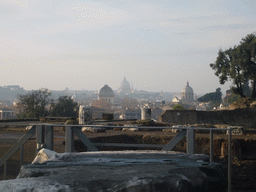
[(124, 103), (127, 95), (74, 48)]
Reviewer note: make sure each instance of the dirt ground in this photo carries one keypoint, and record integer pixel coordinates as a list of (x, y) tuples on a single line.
[(243, 170)]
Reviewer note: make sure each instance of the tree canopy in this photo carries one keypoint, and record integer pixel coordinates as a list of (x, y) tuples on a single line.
[(33, 104), (213, 96), (238, 64), (231, 98), (178, 107), (65, 107), (38, 104)]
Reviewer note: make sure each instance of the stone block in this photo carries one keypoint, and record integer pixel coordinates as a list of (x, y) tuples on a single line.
[(135, 171)]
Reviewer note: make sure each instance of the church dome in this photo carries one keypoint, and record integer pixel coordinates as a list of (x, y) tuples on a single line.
[(124, 86), (106, 91), (187, 93), (187, 89)]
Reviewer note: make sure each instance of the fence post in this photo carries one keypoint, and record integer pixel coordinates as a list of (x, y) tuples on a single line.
[(229, 159), (69, 137), (39, 137), (5, 169), (211, 146), (190, 140), (21, 154), (49, 137)]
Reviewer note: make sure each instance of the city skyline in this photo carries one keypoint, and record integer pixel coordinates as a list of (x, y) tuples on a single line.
[(157, 46)]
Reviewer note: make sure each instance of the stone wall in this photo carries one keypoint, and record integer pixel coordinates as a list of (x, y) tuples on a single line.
[(232, 117), (179, 116)]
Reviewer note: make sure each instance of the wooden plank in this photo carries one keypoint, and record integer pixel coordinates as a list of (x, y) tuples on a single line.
[(18, 145), (128, 145), (49, 137), (175, 140), (84, 139), (69, 140)]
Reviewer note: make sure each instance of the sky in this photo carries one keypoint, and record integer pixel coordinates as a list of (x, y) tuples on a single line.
[(158, 45)]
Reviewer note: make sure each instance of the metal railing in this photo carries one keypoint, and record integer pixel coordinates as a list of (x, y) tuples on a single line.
[(45, 139)]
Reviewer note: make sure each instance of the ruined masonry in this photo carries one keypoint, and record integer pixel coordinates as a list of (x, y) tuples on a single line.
[(135, 171)]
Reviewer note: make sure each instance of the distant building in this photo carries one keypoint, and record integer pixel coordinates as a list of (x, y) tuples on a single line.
[(124, 87), (85, 114), (202, 106), (6, 113), (175, 99), (10, 92), (187, 94), (146, 113), (130, 114), (156, 112), (97, 112), (107, 94)]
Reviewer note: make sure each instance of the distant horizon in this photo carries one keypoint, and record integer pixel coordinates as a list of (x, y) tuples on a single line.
[(115, 90)]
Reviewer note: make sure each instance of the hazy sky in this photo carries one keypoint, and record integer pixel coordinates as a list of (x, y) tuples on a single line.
[(156, 44)]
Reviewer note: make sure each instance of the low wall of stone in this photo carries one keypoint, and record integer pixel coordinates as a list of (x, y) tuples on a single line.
[(179, 116), (233, 117)]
